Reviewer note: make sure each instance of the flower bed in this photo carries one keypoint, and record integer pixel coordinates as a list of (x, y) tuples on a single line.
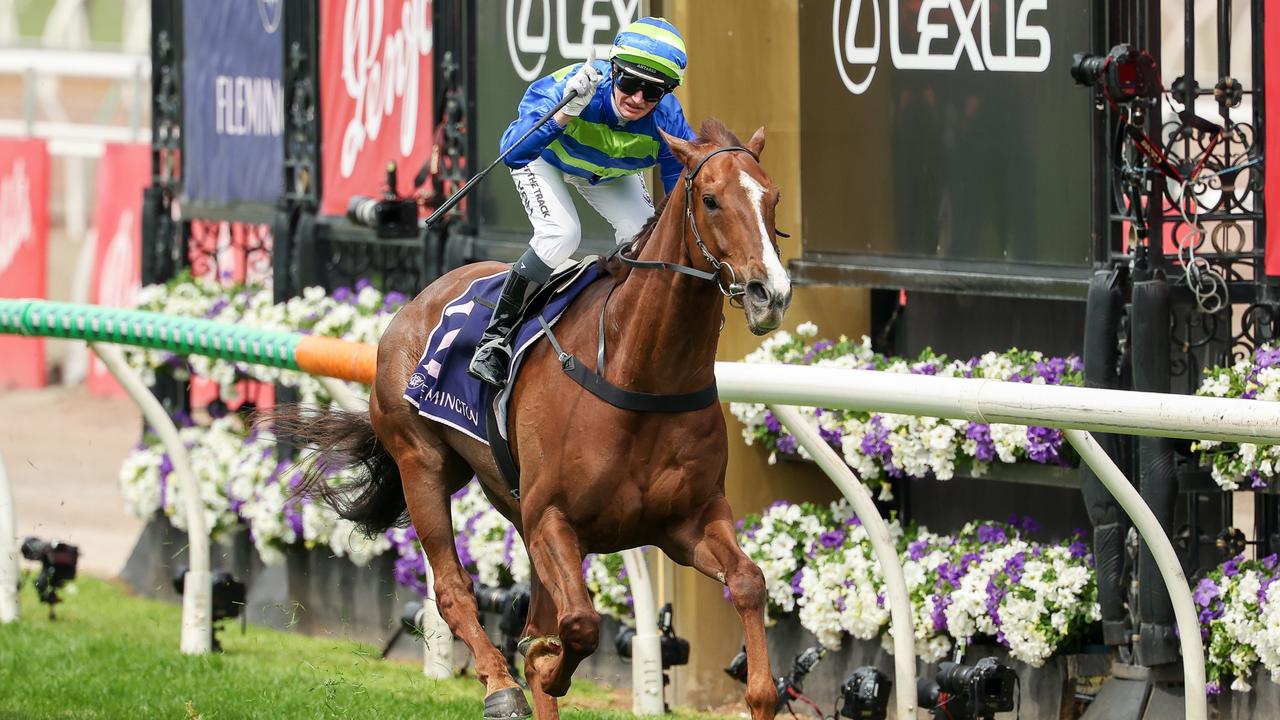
[(1239, 606), (1256, 377), (244, 485), (883, 446), (989, 580)]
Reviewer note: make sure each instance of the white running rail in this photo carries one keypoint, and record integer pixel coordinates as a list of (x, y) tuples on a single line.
[(1074, 409)]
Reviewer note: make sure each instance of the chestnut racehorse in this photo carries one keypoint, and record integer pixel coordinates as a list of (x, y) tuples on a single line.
[(594, 477)]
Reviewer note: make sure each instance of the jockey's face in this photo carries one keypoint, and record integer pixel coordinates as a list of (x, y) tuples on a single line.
[(633, 106)]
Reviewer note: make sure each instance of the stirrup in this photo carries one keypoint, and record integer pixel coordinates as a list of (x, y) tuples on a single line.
[(491, 362)]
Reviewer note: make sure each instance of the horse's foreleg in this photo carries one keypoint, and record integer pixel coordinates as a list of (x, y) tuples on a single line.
[(713, 549), (427, 494), (554, 551), (541, 649)]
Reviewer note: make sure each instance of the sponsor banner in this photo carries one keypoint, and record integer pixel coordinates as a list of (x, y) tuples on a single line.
[(230, 253), (24, 250), (233, 101), (948, 138), (376, 98), (123, 173)]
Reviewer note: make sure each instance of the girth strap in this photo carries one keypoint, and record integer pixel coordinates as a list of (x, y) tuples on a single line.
[(622, 398)]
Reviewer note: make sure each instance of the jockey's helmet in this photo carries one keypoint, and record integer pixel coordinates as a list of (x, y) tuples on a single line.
[(652, 48)]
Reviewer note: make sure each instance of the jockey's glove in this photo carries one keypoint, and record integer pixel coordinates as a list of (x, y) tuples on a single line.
[(582, 86)]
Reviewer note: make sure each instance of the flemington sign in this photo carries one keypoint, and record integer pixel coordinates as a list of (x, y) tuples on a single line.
[(945, 143)]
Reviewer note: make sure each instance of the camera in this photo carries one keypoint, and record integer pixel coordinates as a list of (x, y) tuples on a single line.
[(390, 216), (57, 567), (1124, 74), (865, 694), (511, 603), (963, 692), (227, 597), (675, 650), (791, 685)]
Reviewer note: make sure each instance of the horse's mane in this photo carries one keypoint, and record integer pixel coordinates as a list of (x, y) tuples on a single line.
[(712, 134)]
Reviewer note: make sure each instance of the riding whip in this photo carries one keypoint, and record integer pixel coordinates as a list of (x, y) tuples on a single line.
[(455, 198)]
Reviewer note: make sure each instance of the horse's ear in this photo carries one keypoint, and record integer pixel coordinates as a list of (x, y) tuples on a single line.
[(684, 150), (756, 143)]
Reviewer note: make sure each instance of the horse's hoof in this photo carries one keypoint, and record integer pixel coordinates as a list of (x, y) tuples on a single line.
[(507, 704)]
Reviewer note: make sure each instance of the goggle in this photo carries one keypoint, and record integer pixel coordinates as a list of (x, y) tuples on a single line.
[(629, 84)]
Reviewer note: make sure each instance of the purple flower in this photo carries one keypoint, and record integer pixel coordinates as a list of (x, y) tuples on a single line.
[(1265, 357), (1232, 566), (787, 444), (771, 422), (1043, 444), (939, 613), (875, 444), (926, 368), (393, 300), (832, 436), (917, 548), (1078, 549), (832, 539), (1269, 562), (992, 534), (1213, 688), (980, 433), (217, 307), (795, 584), (362, 283)]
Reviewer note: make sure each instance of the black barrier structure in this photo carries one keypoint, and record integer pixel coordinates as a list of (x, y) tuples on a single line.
[(1180, 284)]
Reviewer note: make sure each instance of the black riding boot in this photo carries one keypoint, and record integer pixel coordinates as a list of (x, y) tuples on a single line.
[(492, 361)]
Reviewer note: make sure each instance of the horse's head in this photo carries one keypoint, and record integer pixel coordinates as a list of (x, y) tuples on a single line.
[(729, 213)]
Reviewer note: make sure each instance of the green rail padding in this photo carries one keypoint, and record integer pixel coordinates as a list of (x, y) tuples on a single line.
[(179, 335)]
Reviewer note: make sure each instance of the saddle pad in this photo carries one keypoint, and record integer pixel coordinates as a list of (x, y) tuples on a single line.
[(440, 387)]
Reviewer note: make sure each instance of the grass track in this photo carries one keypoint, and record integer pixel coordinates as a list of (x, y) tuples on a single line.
[(112, 655)]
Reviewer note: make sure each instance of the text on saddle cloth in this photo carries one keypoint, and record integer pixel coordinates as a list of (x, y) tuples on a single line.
[(440, 387)]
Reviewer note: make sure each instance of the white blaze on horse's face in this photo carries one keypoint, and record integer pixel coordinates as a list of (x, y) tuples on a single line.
[(767, 302), (778, 281)]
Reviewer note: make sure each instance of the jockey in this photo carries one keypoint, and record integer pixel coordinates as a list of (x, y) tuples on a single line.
[(599, 143)]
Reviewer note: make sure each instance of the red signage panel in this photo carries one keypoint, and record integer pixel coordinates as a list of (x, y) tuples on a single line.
[(375, 95), (123, 173), (24, 250)]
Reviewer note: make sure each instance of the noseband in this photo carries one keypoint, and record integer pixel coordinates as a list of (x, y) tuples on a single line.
[(734, 290)]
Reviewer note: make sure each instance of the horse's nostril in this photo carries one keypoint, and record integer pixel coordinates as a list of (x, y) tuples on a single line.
[(757, 292)]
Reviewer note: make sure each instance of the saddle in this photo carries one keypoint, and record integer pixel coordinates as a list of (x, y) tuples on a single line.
[(442, 390)]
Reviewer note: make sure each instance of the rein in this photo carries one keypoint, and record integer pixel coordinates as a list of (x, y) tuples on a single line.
[(734, 290)]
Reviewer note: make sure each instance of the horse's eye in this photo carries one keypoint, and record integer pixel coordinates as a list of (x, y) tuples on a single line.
[(710, 202)]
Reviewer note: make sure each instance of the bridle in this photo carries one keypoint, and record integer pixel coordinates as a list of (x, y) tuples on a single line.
[(733, 290)]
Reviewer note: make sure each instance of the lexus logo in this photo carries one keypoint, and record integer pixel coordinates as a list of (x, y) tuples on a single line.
[(531, 26), (937, 23)]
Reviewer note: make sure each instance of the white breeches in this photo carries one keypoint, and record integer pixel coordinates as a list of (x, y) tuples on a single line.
[(544, 190)]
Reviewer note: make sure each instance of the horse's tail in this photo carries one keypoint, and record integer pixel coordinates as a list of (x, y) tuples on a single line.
[(371, 495)]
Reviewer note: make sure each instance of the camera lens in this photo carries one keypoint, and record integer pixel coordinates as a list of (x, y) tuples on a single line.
[(363, 211), (34, 548), (1086, 69)]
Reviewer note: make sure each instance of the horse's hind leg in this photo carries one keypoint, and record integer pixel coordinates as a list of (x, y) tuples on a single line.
[(556, 556), (709, 544), (431, 472)]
